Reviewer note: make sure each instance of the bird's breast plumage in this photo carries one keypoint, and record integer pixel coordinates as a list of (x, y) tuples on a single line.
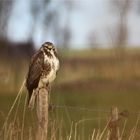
[(43, 68), (53, 62)]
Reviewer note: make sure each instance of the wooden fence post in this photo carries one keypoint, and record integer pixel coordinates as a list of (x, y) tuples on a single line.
[(113, 124), (42, 113)]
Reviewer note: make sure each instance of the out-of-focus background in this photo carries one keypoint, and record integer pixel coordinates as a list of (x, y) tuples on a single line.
[(99, 48)]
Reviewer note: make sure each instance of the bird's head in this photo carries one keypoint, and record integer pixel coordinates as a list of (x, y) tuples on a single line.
[(49, 47)]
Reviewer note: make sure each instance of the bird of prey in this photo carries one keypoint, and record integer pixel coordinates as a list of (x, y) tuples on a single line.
[(44, 65)]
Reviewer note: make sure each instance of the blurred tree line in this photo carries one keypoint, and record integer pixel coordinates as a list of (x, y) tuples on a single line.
[(51, 19)]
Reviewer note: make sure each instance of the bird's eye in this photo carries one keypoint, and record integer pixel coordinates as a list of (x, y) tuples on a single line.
[(54, 49)]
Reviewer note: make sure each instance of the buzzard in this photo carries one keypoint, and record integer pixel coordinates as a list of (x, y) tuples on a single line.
[(44, 65)]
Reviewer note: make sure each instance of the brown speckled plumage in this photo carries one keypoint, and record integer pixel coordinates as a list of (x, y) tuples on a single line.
[(39, 66)]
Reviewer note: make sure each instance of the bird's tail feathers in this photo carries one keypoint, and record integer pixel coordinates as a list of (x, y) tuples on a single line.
[(32, 98)]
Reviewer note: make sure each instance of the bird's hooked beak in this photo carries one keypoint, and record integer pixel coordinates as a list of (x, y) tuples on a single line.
[(49, 46)]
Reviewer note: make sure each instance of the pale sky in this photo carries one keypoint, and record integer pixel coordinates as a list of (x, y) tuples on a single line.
[(87, 16)]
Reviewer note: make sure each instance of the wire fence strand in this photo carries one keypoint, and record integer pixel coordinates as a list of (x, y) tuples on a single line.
[(78, 108), (107, 111)]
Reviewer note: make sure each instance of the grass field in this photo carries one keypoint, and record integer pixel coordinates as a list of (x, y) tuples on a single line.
[(86, 88), (73, 107)]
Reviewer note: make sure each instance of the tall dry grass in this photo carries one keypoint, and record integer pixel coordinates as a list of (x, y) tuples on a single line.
[(14, 128), (14, 131)]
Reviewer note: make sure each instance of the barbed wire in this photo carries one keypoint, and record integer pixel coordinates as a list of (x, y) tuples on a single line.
[(124, 113), (79, 108)]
